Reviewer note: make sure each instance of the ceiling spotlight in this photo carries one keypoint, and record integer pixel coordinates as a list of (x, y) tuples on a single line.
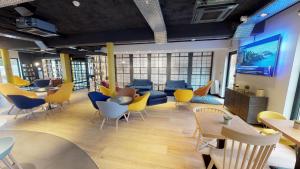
[(193, 39), (244, 18), (263, 14), (72, 47), (76, 3)]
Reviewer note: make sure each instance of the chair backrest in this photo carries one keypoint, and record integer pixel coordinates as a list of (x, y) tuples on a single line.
[(203, 91), (62, 94), (244, 151), (105, 91), (10, 89), (208, 110), (111, 109), (20, 82), (270, 115), (176, 83), (96, 96), (42, 82), (130, 92), (183, 95)]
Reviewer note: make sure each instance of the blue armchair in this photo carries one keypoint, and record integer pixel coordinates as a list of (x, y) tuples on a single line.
[(112, 110), (41, 83), (96, 96), (25, 103), (173, 85), (141, 85)]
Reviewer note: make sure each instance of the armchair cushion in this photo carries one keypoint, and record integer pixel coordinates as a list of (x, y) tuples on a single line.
[(97, 96), (173, 85), (23, 102), (141, 84)]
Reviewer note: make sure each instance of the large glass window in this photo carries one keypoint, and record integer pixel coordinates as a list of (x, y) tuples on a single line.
[(179, 66), (159, 70), (140, 66), (123, 69), (14, 66), (201, 69)]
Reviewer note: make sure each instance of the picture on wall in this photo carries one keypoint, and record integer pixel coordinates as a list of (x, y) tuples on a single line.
[(259, 58)]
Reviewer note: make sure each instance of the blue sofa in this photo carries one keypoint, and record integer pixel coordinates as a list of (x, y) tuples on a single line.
[(156, 97), (141, 85), (41, 83), (173, 85)]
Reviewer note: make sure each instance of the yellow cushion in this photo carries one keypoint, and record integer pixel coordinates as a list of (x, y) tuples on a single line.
[(105, 91), (183, 95), (269, 115), (139, 103), (10, 89), (20, 82), (283, 140), (63, 94)]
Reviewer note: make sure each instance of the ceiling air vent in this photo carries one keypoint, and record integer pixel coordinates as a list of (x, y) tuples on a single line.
[(212, 10), (36, 26)]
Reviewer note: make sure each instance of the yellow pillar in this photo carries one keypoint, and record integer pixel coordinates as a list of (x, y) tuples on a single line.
[(66, 67), (111, 67), (7, 65)]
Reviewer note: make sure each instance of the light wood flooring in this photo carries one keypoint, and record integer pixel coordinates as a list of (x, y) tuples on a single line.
[(163, 141)]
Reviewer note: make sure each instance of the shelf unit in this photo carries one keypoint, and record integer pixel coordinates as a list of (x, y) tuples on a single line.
[(80, 74), (52, 68), (28, 72)]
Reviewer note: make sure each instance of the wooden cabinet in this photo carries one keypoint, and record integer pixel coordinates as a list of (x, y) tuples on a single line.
[(246, 106)]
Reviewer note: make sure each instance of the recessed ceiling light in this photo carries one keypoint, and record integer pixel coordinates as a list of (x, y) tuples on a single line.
[(263, 15), (147, 2), (76, 3)]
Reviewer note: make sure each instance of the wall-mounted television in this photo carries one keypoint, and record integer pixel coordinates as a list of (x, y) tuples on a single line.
[(260, 57)]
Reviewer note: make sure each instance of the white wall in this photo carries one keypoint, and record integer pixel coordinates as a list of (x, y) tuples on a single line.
[(281, 88), (220, 48)]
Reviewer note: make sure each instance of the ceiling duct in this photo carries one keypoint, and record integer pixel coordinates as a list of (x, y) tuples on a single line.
[(206, 11), (5, 3), (151, 11), (36, 27), (245, 29)]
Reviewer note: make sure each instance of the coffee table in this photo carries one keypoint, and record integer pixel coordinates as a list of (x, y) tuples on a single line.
[(122, 100)]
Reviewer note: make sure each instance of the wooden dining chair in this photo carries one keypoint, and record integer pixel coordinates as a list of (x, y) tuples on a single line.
[(243, 151), (203, 141)]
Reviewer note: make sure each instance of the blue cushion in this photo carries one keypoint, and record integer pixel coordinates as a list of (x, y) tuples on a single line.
[(141, 82), (23, 102), (41, 83), (176, 84), (97, 96), (155, 94), (207, 100)]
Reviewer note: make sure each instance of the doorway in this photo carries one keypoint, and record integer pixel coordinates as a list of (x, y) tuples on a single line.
[(296, 107), (231, 69)]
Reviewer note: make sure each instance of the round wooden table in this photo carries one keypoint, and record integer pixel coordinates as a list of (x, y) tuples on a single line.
[(122, 100)]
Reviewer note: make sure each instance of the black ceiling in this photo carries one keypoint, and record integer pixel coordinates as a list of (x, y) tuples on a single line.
[(98, 21)]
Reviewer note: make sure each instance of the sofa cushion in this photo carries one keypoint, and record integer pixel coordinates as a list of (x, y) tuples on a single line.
[(155, 94), (176, 84), (141, 82)]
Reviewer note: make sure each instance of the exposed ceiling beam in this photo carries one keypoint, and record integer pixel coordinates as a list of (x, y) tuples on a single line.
[(151, 11)]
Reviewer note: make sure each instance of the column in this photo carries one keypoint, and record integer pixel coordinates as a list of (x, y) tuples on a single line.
[(111, 67), (7, 65), (66, 67)]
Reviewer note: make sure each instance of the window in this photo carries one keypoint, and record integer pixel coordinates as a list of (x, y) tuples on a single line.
[(14, 66), (159, 70), (140, 66), (52, 68), (179, 66), (123, 69), (201, 69)]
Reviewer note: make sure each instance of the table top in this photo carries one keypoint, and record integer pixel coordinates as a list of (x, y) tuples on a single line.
[(122, 100), (211, 124), (285, 127), (44, 89)]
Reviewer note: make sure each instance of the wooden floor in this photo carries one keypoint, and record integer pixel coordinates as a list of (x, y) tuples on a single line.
[(163, 141)]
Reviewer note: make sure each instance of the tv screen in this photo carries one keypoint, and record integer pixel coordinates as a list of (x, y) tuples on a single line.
[(259, 58)]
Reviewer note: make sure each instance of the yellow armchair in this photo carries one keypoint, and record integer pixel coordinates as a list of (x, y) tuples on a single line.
[(10, 89), (105, 91), (183, 95), (267, 131), (62, 95), (20, 82), (139, 105)]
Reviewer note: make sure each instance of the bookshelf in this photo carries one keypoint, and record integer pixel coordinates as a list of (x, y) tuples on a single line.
[(52, 68)]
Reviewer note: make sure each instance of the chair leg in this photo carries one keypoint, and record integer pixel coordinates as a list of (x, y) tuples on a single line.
[(141, 115), (117, 124), (103, 121), (14, 161), (11, 109), (17, 114), (198, 141), (7, 163), (211, 164), (146, 113), (126, 118), (128, 114), (195, 132)]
